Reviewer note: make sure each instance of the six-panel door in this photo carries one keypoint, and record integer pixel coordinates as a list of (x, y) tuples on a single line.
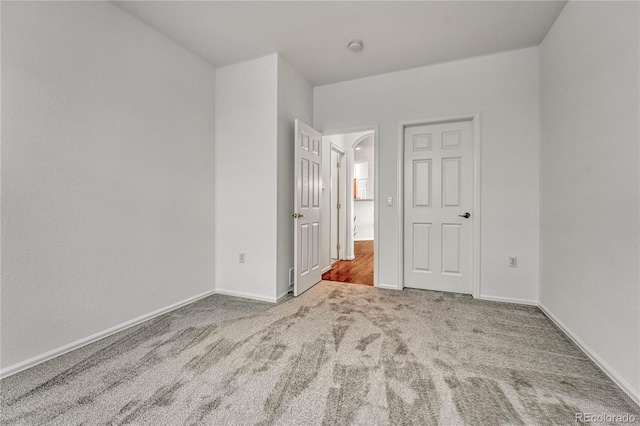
[(438, 191), (308, 198)]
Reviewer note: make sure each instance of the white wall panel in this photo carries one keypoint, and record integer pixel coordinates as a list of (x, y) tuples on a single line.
[(107, 174), (246, 177), (590, 180)]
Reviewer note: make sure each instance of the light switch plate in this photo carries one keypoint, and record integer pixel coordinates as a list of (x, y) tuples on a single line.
[(389, 201)]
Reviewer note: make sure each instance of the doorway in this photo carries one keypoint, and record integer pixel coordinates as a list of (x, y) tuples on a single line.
[(352, 206)]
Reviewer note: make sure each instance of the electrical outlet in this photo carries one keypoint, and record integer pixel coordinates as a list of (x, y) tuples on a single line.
[(242, 257), (513, 261)]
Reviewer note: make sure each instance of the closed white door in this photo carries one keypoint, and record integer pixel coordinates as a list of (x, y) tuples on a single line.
[(308, 166), (438, 200)]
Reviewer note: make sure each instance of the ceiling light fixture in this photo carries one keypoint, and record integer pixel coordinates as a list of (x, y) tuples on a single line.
[(355, 45)]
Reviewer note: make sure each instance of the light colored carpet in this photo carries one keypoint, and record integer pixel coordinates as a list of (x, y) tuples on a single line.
[(340, 354)]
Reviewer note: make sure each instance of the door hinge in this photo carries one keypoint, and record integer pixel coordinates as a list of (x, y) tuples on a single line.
[(339, 206), (338, 165), (338, 246)]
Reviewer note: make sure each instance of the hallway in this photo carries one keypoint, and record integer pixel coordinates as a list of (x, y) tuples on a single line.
[(356, 271)]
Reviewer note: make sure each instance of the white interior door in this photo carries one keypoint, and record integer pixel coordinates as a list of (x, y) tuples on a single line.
[(335, 202), (438, 200), (307, 200)]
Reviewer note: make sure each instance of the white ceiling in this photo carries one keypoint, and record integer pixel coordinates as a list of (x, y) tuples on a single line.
[(313, 35)]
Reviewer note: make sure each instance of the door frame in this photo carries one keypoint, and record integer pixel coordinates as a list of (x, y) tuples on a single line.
[(352, 151), (475, 218), (375, 128), (342, 199)]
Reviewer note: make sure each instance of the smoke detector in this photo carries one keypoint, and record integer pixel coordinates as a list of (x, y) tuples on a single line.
[(355, 45)]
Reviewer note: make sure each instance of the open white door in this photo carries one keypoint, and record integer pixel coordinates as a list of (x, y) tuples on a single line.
[(307, 201)]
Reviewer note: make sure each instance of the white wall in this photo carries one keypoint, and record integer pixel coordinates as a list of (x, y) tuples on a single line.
[(107, 173), (367, 155), (246, 178), (503, 88), (295, 100), (589, 281), (363, 211)]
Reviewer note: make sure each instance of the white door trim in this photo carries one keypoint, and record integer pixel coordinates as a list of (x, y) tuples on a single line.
[(376, 191), (475, 218), (342, 214)]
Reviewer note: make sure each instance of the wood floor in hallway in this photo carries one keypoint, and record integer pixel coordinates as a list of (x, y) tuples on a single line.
[(356, 271)]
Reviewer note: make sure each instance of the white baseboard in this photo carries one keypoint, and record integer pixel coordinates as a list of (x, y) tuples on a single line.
[(245, 295), (326, 269), (634, 394), (351, 257), (363, 239), (289, 290), (38, 359), (388, 286), (508, 300)]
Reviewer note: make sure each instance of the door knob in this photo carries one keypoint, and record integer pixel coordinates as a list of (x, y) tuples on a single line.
[(467, 215), (297, 215)]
